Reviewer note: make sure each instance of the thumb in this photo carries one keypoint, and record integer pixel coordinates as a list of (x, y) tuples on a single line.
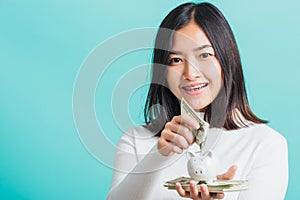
[(229, 174)]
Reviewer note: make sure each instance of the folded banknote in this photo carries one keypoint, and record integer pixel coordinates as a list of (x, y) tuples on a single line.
[(201, 133)]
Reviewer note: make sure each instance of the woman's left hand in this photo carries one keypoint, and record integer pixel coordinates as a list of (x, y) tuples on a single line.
[(204, 194)]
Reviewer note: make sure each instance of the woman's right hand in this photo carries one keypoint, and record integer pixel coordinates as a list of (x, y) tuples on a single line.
[(177, 135)]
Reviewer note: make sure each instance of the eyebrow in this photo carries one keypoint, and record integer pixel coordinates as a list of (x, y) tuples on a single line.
[(196, 49)]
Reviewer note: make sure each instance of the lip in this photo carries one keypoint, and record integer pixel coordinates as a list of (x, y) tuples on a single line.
[(194, 88)]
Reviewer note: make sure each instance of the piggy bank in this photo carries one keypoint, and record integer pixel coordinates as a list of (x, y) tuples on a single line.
[(202, 166)]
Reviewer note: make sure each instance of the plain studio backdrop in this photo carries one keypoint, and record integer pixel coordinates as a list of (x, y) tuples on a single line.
[(43, 48)]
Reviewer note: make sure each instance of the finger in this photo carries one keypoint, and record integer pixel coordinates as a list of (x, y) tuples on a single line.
[(194, 193), (187, 120), (190, 121), (177, 139), (171, 147), (181, 142), (204, 192), (187, 133), (166, 148), (183, 131), (180, 190), (229, 174), (217, 195)]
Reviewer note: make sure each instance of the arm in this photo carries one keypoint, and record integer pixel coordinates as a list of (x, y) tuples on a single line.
[(134, 179), (268, 178)]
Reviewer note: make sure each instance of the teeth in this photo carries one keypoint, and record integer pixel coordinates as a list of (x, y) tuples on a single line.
[(196, 87), (203, 85)]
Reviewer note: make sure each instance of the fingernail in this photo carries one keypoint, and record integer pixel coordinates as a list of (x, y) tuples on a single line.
[(203, 187), (193, 183)]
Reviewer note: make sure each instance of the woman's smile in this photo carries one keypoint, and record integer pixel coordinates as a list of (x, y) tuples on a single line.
[(195, 88)]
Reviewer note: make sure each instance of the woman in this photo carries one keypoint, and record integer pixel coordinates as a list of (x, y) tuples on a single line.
[(196, 58)]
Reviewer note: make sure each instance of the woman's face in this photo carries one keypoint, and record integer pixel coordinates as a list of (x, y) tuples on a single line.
[(193, 71)]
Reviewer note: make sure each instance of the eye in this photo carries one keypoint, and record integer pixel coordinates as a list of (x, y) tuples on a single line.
[(174, 61), (205, 55)]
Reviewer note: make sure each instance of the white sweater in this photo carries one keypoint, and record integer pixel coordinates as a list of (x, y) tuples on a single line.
[(259, 152)]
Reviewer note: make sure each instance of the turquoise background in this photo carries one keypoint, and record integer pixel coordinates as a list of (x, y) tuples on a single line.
[(44, 43)]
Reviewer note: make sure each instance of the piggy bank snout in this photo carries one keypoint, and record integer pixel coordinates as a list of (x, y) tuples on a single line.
[(200, 171)]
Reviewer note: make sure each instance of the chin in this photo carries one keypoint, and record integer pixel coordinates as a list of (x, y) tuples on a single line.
[(197, 105)]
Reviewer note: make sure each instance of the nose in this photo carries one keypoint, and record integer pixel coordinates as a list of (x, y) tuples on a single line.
[(191, 72)]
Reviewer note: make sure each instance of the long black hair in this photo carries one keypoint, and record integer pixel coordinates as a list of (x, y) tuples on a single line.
[(162, 105)]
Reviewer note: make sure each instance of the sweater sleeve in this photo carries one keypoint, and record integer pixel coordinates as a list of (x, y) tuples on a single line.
[(268, 178), (134, 179)]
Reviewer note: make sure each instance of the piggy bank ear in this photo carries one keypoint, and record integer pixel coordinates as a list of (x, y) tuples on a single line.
[(210, 154), (190, 154)]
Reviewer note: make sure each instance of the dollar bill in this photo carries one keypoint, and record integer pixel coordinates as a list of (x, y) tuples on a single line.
[(214, 186), (201, 133)]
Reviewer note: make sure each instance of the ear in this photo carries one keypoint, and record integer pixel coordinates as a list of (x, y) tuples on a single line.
[(190, 154), (210, 154)]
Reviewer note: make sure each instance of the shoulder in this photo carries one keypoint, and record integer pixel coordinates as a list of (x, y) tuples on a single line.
[(262, 133), (138, 138), (138, 132)]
